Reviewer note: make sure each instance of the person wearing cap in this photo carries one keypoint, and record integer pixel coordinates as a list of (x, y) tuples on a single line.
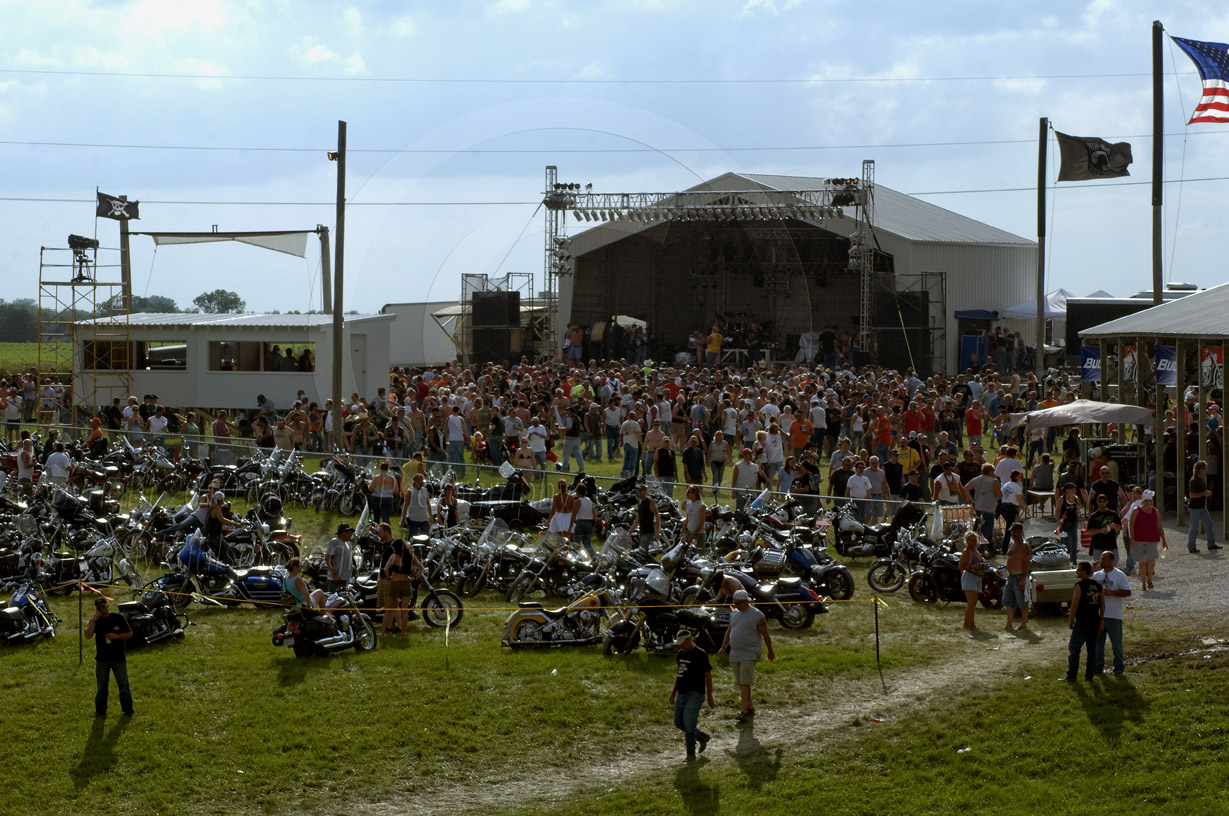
[(745, 640), (693, 683), (1147, 535), (1019, 563), (1114, 589), (1103, 527), (339, 558), (112, 631)]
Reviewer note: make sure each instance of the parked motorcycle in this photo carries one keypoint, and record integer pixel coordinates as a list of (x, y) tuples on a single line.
[(854, 539), (938, 579), (310, 633), (27, 616), (153, 621), (583, 621), (652, 617)]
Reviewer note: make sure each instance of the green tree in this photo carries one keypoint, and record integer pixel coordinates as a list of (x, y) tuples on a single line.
[(219, 301)]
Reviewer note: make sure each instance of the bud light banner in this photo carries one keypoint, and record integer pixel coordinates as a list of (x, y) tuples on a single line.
[(1166, 365), (1090, 363)]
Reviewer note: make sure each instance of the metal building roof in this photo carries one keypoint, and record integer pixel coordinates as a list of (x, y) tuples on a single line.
[(255, 320), (1200, 314), (910, 218)]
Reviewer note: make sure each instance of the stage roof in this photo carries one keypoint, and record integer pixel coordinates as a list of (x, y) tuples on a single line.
[(1199, 314)]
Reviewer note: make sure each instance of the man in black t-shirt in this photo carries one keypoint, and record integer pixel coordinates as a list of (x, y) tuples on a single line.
[(1103, 526), (692, 683), (112, 631), (1105, 486), (1084, 621)]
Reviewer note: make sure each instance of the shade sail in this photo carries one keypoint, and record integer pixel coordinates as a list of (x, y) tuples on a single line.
[(1055, 307), (1081, 411), (292, 243)]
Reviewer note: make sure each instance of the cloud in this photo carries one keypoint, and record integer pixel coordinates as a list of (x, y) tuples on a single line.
[(509, 7), (768, 6), (353, 19), (313, 54), (403, 27), (207, 68), (593, 70)]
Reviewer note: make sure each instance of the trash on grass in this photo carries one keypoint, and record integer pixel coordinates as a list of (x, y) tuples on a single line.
[(963, 750)]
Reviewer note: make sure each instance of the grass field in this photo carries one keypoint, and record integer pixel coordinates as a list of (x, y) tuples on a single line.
[(15, 357)]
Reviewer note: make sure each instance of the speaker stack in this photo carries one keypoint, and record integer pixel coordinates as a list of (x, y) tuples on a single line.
[(495, 318)]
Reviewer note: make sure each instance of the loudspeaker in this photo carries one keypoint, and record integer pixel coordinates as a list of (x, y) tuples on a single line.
[(496, 309), (492, 345)]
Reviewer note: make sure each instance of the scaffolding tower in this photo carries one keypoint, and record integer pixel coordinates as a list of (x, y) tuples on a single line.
[(83, 327)]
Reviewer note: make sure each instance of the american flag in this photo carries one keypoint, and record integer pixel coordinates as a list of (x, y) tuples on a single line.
[(1212, 60)]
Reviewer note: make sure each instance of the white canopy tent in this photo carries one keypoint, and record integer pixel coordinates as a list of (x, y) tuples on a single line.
[(1083, 411), (1055, 307)]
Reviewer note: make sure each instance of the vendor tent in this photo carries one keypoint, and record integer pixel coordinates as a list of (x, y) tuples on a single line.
[(1082, 411), (1055, 307)]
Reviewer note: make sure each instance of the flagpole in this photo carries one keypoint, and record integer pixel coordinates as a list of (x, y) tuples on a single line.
[(1158, 150), (1043, 132)]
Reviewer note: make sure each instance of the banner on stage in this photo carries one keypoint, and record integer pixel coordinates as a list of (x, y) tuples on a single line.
[(1166, 365), (1090, 363), (1212, 368)]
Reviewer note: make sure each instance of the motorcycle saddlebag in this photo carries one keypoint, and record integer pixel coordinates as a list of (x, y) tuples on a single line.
[(769, 566), (12, 617)]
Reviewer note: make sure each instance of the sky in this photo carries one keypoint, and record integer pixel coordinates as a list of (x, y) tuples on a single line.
[(219, 113)]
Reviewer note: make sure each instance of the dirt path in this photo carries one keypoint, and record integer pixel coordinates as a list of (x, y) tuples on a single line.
[(1191, 597)]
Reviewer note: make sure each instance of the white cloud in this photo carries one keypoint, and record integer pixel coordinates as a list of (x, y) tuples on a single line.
[(509, 6), (768, 6), (353, 19), (312, 53), (593, 70), (403, 27)]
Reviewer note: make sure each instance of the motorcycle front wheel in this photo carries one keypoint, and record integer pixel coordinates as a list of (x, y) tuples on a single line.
[(624, 644), (349, 504), (364, 635), (797, 616), (840, 585), (885, 575), (922, 589), (521, 587), (442, 608)]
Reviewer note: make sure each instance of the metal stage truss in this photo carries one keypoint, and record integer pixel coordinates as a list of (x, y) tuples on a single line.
[(94, 356), (838, 198)]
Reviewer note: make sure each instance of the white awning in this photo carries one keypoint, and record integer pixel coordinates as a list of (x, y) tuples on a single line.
[(291, 243), (1081, 411), (1055, 307)]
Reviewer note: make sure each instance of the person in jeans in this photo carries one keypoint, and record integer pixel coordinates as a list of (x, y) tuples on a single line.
[(1019, 563), (1114, 588), (1198, 494), (986, 494), (582, 521), (112, 630), (692, 684), (1085, 622)]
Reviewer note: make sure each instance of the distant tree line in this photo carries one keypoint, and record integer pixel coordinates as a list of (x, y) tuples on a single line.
[(19, 318)]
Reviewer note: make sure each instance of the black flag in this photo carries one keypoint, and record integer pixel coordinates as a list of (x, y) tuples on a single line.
[(1087, 157), (120, 209)]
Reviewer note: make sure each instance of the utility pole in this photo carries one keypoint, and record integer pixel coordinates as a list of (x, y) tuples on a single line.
[(1039, 357), (338, 269)]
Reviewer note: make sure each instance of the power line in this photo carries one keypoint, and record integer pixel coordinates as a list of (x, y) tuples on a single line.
[(567, 81), (170, 202), (581, 150)]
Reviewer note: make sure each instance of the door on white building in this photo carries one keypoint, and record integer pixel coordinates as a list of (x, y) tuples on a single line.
[(358, 362)]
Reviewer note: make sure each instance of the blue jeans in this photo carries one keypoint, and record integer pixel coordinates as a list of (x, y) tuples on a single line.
[(1200, 515), (987, 528), (382, 508), (687, 715), (456, 456), (718, 469), (1113, 630), (631, 460), (582, 534), (571, 450), (1081, 638), (102, 672), (1073, 540), (592, 446), (612, 442)]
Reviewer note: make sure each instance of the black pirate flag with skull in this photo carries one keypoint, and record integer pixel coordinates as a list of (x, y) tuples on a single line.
[(1087, 157), (119, 209)]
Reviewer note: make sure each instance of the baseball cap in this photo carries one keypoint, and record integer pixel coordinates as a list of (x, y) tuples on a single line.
[(1149, 495), (682, 637), (344, 528), (741, 595)]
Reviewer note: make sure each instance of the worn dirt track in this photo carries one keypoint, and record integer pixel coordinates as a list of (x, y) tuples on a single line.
[(1191, 597)]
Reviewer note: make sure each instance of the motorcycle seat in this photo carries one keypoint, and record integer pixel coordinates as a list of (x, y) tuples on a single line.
[(789, 583), (879, 528), (133, 607), (530, 605)]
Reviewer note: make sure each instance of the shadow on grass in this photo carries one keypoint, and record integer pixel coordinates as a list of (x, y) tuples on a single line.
[(759, 764), (98, 755), (292, 670), (698, 797), (1109, 701)]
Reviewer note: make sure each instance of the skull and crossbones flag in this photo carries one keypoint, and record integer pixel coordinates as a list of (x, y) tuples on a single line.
[(120, 209), (1087, 158)]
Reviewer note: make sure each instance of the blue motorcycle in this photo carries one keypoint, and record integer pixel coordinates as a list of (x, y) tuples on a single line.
[(203, 578), (27, 616)]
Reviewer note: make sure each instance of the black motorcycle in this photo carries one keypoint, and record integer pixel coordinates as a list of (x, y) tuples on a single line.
[(938, 579), (652, 618), (312, 633), (854, 539), (152, 621)]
